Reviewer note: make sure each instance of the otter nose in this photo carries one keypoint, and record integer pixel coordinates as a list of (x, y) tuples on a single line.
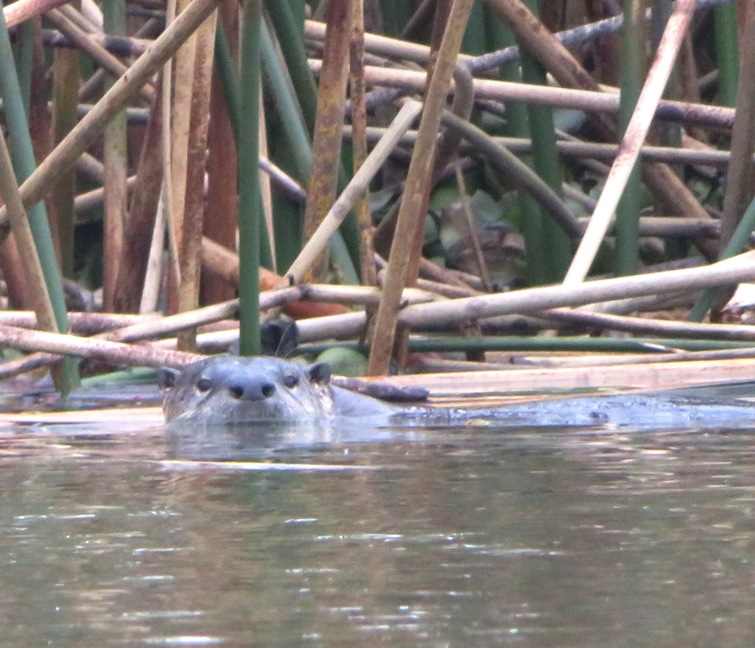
[(253, 390)]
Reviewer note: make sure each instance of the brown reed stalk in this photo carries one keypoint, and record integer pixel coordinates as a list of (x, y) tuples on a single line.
[(416, 188), (115, 160), (326, 145), (132, 264), (357, 93), (222, 187), (65, 69), (191, 238)]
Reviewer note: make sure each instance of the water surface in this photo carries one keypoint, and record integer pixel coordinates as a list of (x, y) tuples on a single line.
[(456, 538)]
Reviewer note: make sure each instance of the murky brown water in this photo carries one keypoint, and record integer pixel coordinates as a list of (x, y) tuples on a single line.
[(547, 538)]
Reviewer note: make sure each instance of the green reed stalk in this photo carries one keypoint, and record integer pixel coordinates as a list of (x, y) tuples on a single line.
[(116, 167), (250, 214), (475, 34), (229, 81), (739, 239), (65, 71), (287, 106), (289, 147), (289, 32), (517, 125), (396, 13), (727, 52), (627, 229), (548, 166), (667, 133), (25, 60)]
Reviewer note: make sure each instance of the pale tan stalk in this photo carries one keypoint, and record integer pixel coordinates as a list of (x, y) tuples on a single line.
[(22, 10), (340, 209), (632, 141), (730, 271), (589, 100)]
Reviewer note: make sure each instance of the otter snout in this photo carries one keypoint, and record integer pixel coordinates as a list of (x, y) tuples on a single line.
[(251, 390)]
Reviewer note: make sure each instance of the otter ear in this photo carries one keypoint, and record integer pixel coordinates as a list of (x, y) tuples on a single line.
[(280, 337), (319, 373), (166, 378)]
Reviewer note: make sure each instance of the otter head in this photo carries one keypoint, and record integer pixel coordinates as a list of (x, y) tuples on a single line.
[(226, 390)]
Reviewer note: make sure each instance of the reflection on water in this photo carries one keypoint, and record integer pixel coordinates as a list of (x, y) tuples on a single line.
[(548, 538)]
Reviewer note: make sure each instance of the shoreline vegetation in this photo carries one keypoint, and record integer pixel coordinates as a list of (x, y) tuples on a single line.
[(561, 200)]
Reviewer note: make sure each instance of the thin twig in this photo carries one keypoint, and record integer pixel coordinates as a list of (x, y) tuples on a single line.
[(471, 229)]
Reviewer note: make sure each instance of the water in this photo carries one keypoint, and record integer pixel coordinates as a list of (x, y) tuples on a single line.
[(461, 538)]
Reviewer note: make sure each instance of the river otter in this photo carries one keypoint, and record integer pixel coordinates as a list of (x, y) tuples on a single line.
[(228, 390)]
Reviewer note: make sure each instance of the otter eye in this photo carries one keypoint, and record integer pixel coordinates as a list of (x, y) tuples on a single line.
[(167, 378), (204, 385), (291, 381)]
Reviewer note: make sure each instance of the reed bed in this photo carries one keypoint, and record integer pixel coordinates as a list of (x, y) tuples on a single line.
[(547, 195)]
